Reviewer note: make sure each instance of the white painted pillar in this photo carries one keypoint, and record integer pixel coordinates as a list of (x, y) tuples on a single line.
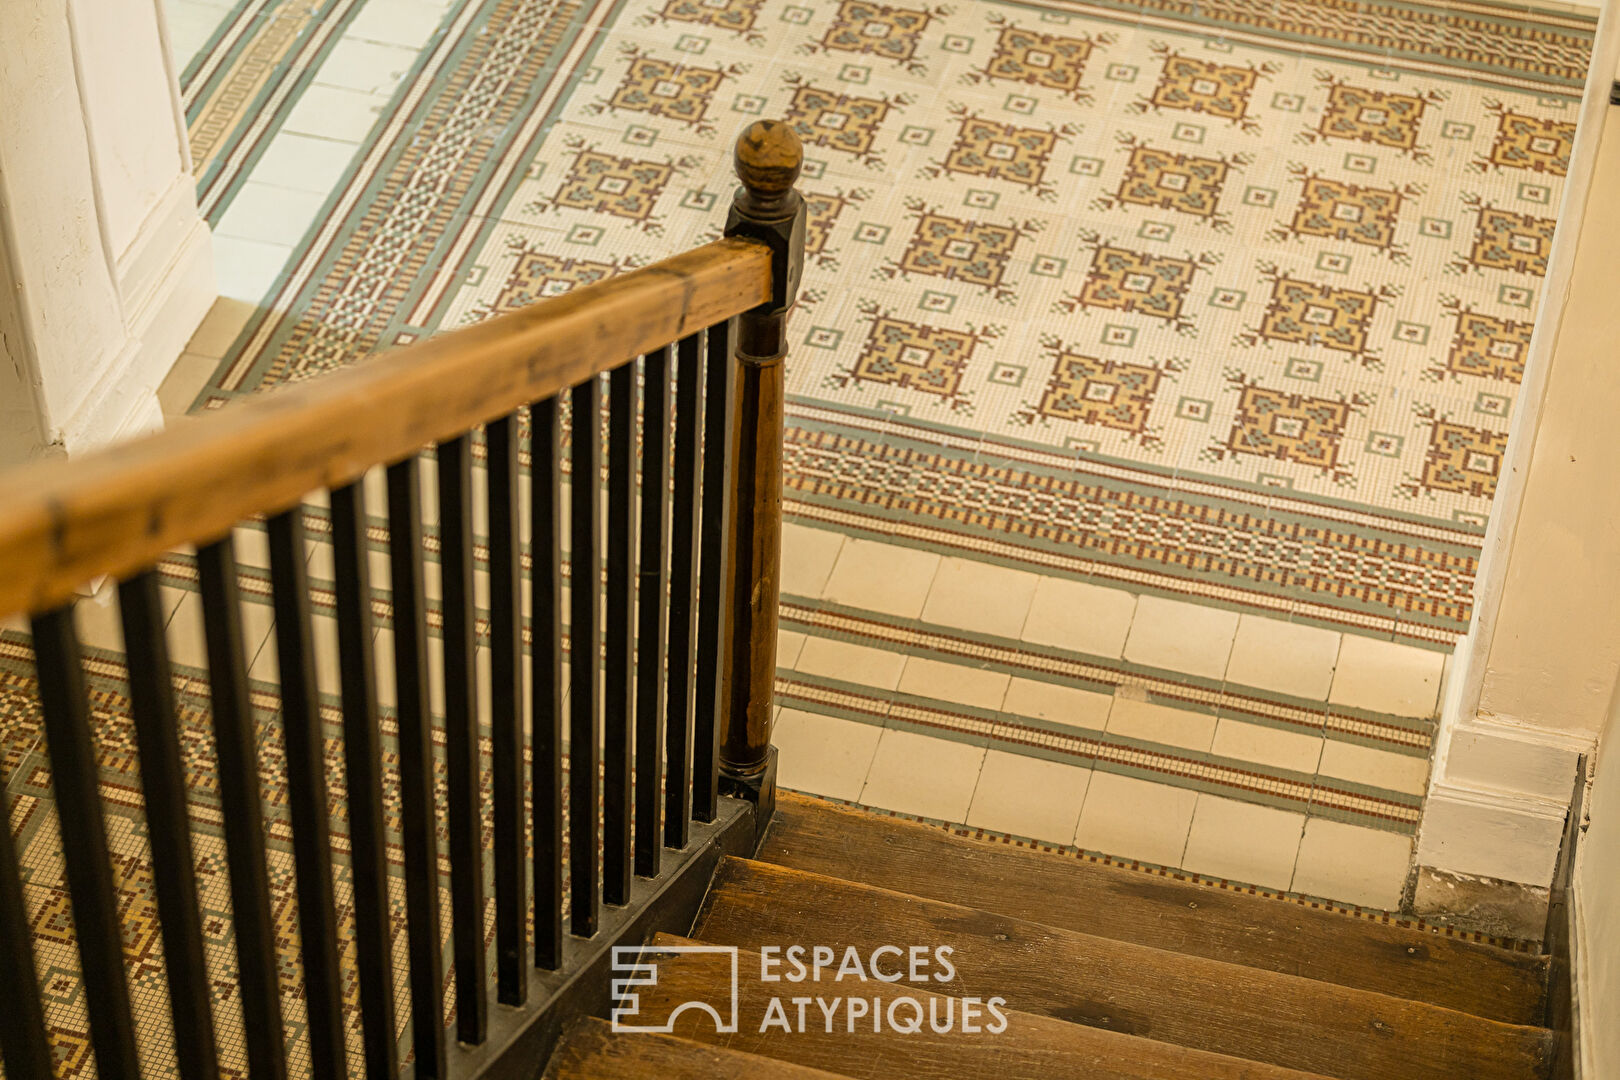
[(105, 263), (1534, 683)]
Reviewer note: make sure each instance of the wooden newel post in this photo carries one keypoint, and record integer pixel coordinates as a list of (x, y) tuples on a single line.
[(767, 209)]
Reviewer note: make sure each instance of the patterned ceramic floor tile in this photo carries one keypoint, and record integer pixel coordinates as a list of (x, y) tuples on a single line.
[(1123, 303)]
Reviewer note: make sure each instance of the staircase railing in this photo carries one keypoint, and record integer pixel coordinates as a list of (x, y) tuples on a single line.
[(670, 713)]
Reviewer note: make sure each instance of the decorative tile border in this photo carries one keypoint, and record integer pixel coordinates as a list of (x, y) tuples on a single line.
[(1355, 804)]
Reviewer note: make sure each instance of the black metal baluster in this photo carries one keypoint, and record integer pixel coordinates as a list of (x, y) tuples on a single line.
[(585, 658), (506, 711), (64, 700), (362, 763), (713, 639), (546, 667), (237, 748), (168, 827), (654, 581), (683, 588), (25, 1049), (618, 699), (305, 744), (461, 740), (418, 810)]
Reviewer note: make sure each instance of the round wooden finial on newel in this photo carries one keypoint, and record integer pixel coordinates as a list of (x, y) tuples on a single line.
[(769, 157)]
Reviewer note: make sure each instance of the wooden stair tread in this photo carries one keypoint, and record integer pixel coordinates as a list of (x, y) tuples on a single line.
[(591, 1050), (1031, 1048), (1179, 916), (1103, 982)]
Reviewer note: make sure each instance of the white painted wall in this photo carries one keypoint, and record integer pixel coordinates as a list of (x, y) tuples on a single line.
[(1597, 915), (1533, 682), (107, 257)]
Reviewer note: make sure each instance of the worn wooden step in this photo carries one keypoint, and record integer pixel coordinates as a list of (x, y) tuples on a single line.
[(1030, 1048), (1188, 1000), (590, 1050), (1130, 905)]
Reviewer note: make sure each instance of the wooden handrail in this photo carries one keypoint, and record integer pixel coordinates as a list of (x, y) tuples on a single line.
[(64, 523)]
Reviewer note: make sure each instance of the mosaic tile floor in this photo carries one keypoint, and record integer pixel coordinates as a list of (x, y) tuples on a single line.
[(1147, 397), (1157, 436)]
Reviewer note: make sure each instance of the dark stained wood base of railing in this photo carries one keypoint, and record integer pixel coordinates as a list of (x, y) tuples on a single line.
[(521, 1039), (757, 787)]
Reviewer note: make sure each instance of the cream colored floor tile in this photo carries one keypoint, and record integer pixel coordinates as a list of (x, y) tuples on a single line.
[(789, 643), (1262, 745), (171, 600), (1386, 677), (184, 382), (219, 328), (1243, 842), (824, 755), (187, 645), (98, 620), (1136, 718), (881, 577), (1135, 819), (1057, 703), (323, 559), (258, 621), (1179, 636), (1376, 768), (381, 571), (252, 546), (808, 556), (849, 662), (323, 628), (387, 672), (1080, 617), (1287, 657), (980, 597), (1028, 796), (920, 774), (1352, 865), (956, 683)]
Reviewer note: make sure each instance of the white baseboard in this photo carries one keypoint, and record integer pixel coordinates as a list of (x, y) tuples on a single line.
[(1489, 753), (1492, 834)]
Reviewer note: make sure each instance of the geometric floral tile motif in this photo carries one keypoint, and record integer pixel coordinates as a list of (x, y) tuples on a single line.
[(1505, 240), (1134, 281), (738, 16), (1203, 86), (1049, 61), (837, 121), (1305, 313), (1337, 210), (974, 252), (606, 184), (1486, 345), (1528, 142), (821, 214), (1373, 116), (1462, 460), (998, 151), (666, 89), (1289, 427), (1094, 391), (915, 356), (1166, 180), (889, 33), (538, 274)]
